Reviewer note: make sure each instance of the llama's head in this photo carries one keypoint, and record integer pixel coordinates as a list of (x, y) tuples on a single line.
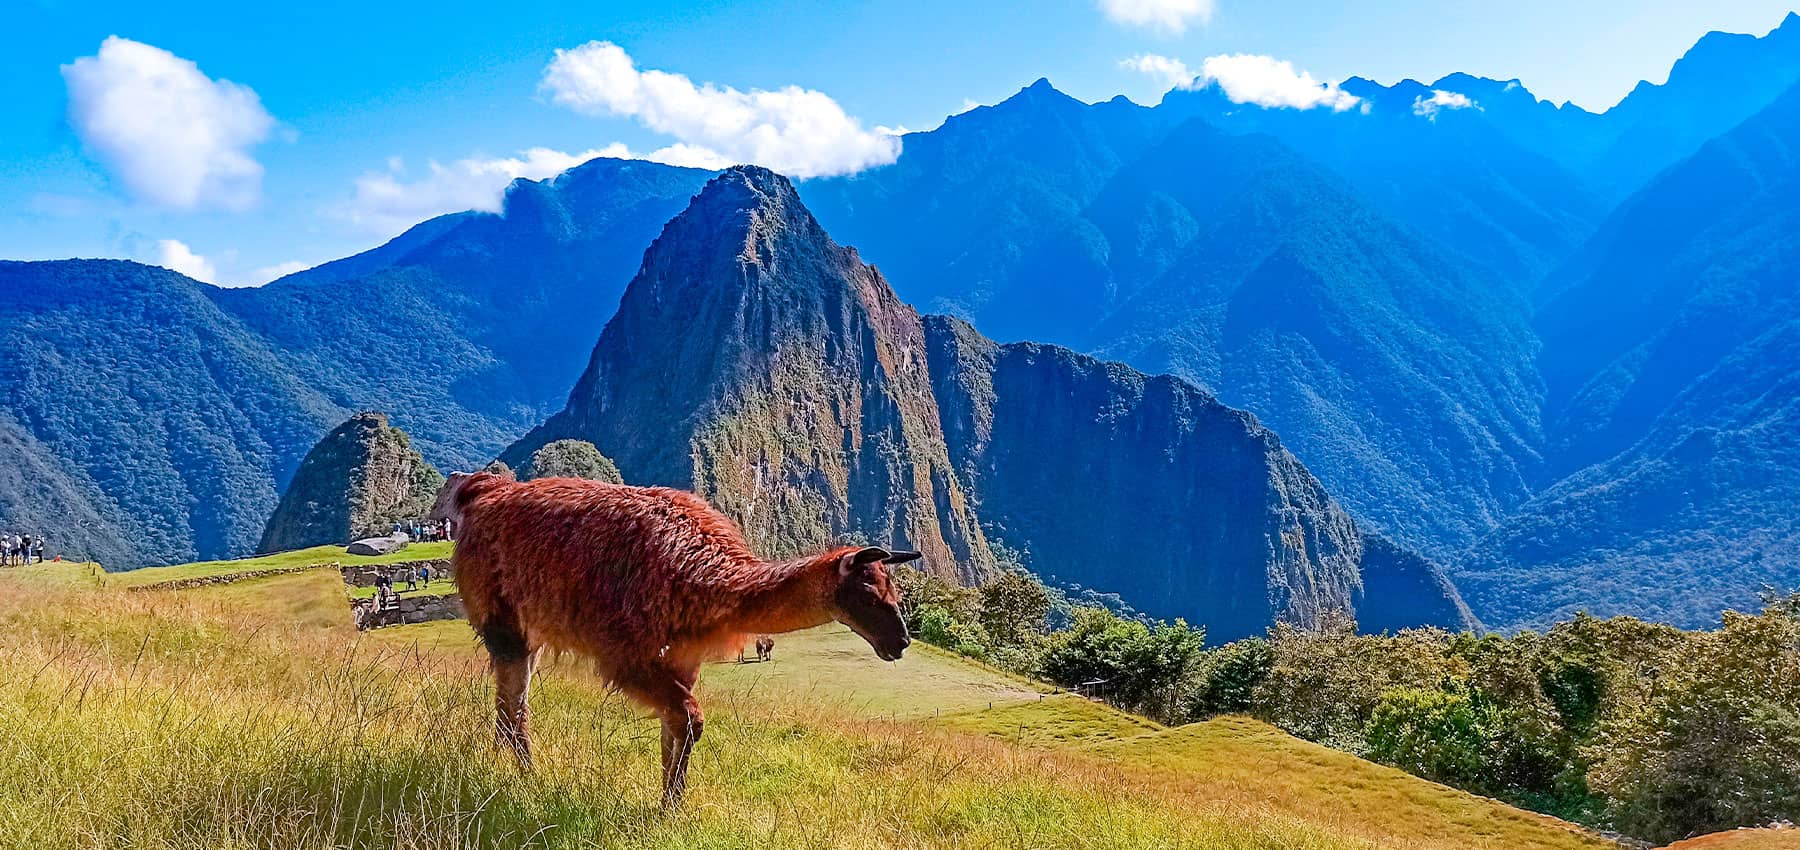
[(445, 506), (867, 601), (458, 490)]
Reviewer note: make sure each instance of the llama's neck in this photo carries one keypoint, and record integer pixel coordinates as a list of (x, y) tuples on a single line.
[(785, 596)]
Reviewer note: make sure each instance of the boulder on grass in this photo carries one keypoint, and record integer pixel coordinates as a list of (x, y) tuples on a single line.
[(378, 545)]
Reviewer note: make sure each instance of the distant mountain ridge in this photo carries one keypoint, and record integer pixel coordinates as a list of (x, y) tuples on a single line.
[(1672, 349), (758, 362), (1204, 253), (154, 426), (470, 327), (763, 366)]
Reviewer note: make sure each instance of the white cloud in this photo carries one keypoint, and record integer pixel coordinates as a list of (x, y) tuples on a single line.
[(685, 155), (1173, 73), (172, 135), (387, 203), (799, 132), (1440, 100), (1170, 16), (1271, 83), (174, 255)]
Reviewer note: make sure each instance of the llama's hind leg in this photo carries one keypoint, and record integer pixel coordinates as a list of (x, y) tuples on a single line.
[(671, 694), (513, 663)]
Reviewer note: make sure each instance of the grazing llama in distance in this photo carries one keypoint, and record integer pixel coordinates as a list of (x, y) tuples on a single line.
[(648, 582), (765, 648)]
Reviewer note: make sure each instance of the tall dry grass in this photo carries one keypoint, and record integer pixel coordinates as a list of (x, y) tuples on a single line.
[(172, 720)]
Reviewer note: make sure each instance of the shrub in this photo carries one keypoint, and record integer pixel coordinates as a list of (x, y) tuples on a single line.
[(1144, 668), (1229, 676), (1437, 734), (572, 459)]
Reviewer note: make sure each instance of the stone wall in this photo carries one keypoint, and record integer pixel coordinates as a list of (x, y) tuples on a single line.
[(363, 575), (409, 609), (227, 578)]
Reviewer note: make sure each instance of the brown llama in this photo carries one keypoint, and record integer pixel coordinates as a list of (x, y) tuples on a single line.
[(648, 582), (765, 648)]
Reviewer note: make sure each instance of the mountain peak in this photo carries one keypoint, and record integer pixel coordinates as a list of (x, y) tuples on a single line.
[(752, 183), (785, 380), (1040, 92)]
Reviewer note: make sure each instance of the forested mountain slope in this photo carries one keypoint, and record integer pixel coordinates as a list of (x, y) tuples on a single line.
[(158, 422), (470, 328), (1671, 349)]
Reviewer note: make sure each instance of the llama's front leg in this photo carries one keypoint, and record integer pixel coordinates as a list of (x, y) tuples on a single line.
[(512, 723), (513, 664), (682, 724)]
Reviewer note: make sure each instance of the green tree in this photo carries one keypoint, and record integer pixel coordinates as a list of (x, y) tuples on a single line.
[(920, 590), (1149, 669), (1436, 734), (939, 627), (1013, 608), (1715, 743), (1323, 686), (572, 459), (1229, 676)]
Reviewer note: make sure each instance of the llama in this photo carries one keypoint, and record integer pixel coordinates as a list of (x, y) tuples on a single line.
[(649, 582), (765, 648)]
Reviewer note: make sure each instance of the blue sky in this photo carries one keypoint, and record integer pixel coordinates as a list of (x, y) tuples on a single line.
[(324, 140)]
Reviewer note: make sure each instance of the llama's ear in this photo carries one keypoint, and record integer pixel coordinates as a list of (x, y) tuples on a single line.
[(901, 557), (862, 558)]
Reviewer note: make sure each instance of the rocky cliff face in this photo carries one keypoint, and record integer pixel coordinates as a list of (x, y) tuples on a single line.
[(758, 362), (359, 480), (766, 367), (1144, 486)]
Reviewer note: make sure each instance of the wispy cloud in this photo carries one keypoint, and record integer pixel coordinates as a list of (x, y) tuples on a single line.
[(1168, 16), (173, 136), (1173, 73), (1271, 83), (1440, 100), (176, 256), (387, 202), (799, 132)]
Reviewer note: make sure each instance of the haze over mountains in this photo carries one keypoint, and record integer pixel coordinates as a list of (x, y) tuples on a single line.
[(1550, 349)]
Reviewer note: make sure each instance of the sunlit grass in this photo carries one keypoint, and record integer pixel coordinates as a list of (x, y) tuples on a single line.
[(317, 555), (1772, 838), (1058, 721), (253, 715)]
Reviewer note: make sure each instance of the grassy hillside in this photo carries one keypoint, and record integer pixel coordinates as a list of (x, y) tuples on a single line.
[(319, 555), (252, 715), (1773, 838)]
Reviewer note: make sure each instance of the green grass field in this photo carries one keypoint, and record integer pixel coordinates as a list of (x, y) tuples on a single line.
[(318, 555), (252, 714)]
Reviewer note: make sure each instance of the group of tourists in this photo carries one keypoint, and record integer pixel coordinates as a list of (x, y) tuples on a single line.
[(414, 578), (387, 596), (424, 531), (19, 549)]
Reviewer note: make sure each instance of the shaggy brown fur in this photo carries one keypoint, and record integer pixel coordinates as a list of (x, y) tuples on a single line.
[(649, 582)]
